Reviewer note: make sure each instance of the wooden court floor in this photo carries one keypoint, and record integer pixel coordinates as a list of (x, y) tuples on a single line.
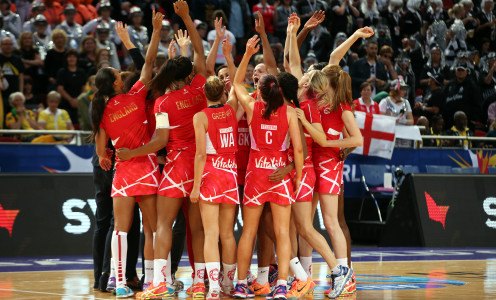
[(435, 279)]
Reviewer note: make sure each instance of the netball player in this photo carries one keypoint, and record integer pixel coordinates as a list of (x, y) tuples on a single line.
[(122, 117), (270, 122), (183, 98)]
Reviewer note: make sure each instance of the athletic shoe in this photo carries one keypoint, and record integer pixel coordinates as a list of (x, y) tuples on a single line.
[(350, 287), (111, 284), (250, 277), (242, 291), (260, 290), (199, 291), (178, 285), (278, 293), (273, 274), (340, 281), (156, 292), (189, 291), (300, 288), (146, 285), (213, 294), (289, 283), (103, 281), (123, 292), (227, 291)]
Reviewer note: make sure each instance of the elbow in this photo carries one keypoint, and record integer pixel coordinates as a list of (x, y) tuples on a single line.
[(201, 156), (322, 142), (358, 141)]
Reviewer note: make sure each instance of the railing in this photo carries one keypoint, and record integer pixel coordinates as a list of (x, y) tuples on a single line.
[(462, 138), (77, 140)]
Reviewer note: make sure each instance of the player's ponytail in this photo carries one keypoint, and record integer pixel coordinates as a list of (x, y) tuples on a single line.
[(177, 68), (318, 88), (340, 82), (271, 93), (289, 87), (104, 82)]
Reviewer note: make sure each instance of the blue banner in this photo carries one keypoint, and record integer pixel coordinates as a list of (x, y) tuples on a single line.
[(77, 159)]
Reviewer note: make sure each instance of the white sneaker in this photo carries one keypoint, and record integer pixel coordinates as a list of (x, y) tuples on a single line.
[(213, 294)]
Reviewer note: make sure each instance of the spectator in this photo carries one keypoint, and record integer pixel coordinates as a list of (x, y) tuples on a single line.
[(396, 105), (12, 69), (137, 32), (488, 80), (37, 8), (283, 12), (160, 60), (320, 43), (433, 100), (392, 19), (386, 57), (82, 13), (40, 36), (470, 22), (202, 32), (491, 113), (53, 118), (413, 50), (365, 102), (411, 22), (461, 95), (103, 41), (11, 21), (456, 41), (104, 9), (87, 53), (220, 58), (53, 12), (30, 57), (368, 69), (404, 69), (84, 105), (165, 37), (437, 125), (73, 30), (344, 14), (23, 9), (19, 117), (71, 81), (491, 133), (32, 101), (55, 57), (459, 129), (369, 13), (239, 11), (267, 12), (102, 55), (249, 78), (5, 33), (435, 65), (423, 122), (350, 57), (487, 21), (435, 12)]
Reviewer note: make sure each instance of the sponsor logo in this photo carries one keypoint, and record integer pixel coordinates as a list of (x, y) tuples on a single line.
[(268, 127), (7, 219), (213, 274), (226, 130), (272, 163), (436, 212), (163, 270), (221, 164), (200, 274), (489, 206), (230, 274)]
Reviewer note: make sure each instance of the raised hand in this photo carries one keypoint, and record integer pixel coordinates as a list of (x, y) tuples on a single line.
[(219, 29), (182, 38), (172, 49), (157, 18), (295, 20), (121, 30), (252, 46), (226, 47), (181, 9), (317, 18), (259, 24), (364, 32)]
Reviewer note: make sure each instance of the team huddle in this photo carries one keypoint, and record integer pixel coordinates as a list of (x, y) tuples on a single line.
[(276, 152)]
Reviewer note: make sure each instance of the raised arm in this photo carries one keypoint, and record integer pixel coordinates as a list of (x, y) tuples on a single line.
[(268, 55), (212, 55), (226, 49), (244, 98), (182, 10), (183, 41), (151, 53), (340, 51), (294, 53), (317, 18), (123, 34), (200, 122)]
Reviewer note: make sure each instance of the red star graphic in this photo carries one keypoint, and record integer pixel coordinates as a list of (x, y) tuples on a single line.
[(7, 219), (436, 212)]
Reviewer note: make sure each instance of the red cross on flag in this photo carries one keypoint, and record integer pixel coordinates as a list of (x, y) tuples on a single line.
[(378, 134)]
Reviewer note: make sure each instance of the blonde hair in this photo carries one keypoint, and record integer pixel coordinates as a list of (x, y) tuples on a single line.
[(340, 82), (54, 95), (455, 9), (21, 37), (318, 87), (214, 88), (57, 32)]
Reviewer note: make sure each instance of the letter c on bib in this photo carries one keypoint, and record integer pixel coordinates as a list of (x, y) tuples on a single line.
[(268, 137)]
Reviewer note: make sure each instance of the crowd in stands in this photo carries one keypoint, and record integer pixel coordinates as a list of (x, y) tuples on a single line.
[(429, 58)]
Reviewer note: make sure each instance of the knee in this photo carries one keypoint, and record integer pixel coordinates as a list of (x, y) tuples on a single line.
[(281, 231), (304, 230), (331, 223)]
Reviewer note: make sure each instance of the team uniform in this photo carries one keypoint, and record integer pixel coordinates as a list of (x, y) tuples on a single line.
[(180, 106), (243, 152), (124, 120), (220, 178), (269, 151), (305, 192), (328, 166)]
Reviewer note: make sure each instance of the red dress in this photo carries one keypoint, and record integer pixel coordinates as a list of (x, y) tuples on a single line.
[(181, 106), (269, 151), (328, 166), (220, 177), (305, 192), (124, 120)]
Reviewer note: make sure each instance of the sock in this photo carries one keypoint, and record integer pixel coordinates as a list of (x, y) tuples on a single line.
[(263, 275), (168, 270), (213, 274), (336, 270), (159, 266), (343, 261), (297, 269), (200, 273), (119, 253), (351, 265), (282, 282), (229, 271), (154, 240), (148, 271), (306, 263), (112, 268), (243, 281)]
